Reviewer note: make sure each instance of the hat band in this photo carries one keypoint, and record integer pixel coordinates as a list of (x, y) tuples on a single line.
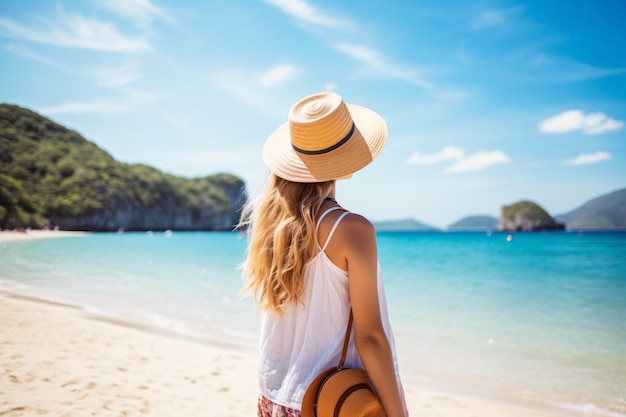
[(329, 149)]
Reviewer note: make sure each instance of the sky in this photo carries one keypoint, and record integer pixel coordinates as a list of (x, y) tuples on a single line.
[(486, 102)]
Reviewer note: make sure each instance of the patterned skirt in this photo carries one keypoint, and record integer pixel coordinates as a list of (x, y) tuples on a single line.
[(267, 408)]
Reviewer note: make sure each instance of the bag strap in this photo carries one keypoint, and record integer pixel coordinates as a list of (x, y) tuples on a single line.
[(346, 341)]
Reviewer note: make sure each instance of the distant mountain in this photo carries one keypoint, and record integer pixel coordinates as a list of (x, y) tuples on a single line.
[(526, 216), (52, 176), (403, 225), (474, 224), (607, 212)]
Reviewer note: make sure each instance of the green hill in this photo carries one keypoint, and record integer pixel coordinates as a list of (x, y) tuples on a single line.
[(403, 225), (526, 216), (607, 212), (474, 223), (52, 176)]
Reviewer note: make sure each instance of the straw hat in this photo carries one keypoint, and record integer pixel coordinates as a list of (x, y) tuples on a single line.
[(325, 139), (344, 393)]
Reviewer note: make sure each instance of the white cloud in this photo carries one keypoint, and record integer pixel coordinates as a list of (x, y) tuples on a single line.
[(88, 107), (380, 66), (602, 124), (491, 18), (589, 158), (478, 161), (76, 32), (572, 120), (363, 53), (564, 122), (464, 163), (277, 75), (447, 154), (304, 11), (128, 103), (142, 12), (549, 68)]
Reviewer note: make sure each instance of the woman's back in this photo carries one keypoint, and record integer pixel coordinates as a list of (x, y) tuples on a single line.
[(309, 336)]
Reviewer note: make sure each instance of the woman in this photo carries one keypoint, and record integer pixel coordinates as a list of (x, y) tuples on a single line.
[(310, 261)]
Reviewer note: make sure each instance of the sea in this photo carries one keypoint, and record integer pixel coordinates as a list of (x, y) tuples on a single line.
[(533, 318)]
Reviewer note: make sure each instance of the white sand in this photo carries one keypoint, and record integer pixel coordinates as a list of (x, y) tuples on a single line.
[(56, 361), (10, 236)]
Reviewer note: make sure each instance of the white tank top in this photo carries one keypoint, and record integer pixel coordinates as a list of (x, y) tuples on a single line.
[(309, 336)]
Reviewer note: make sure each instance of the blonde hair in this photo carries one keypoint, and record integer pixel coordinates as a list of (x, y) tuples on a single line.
[(282, 240)]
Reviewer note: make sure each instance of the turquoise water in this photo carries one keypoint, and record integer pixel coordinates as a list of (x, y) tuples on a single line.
[(540, 319)]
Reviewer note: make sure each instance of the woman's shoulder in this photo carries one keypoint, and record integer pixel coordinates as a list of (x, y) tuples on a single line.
[(357, 220), (356, 226), (345, 225), (353, 236)]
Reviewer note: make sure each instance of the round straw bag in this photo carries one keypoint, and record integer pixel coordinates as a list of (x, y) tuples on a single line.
[(342, 392)]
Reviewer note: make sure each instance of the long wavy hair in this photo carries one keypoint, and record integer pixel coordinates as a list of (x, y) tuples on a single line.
[(282, 240)]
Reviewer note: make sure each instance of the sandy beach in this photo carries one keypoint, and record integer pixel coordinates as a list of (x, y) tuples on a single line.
[(59, 361), (11, 236)]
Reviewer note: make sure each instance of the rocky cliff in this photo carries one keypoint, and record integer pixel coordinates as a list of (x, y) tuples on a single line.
[(527, 216), (52, 176), (168, 213)]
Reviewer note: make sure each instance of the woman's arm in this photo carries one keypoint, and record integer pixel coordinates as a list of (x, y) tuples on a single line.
[(358, 243)]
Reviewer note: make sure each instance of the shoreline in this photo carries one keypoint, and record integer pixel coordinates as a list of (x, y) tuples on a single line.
[(59, 359), (14, 236)]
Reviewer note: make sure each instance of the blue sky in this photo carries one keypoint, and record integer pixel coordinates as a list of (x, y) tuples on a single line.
[(487, 102)]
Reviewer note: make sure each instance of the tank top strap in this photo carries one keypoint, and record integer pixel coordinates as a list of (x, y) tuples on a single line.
[(332, 231), (319, 221)]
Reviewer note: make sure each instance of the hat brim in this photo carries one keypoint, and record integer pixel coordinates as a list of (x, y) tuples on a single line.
[(360, 150)]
